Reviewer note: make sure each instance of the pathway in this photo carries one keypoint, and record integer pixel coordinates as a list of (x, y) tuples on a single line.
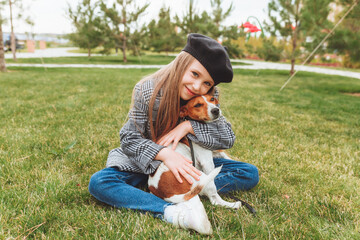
[(64, 52)]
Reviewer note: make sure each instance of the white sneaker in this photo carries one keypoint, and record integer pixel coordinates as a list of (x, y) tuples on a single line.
[(189, 215)]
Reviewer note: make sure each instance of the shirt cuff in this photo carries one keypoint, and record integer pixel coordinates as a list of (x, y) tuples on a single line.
[(152, 164), (196, 128)]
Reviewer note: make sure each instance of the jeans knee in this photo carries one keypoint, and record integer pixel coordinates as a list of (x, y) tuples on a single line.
[(94, 183), (253, 176)]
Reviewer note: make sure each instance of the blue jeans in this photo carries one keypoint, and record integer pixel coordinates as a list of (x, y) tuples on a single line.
[(119, 189)]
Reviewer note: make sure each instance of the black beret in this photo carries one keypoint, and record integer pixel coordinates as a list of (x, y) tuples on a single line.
[(212, 55)]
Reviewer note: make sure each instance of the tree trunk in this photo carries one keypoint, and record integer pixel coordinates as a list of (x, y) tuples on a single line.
[(294, 38), (124, 49), (12, 36), (124, 34), (2, 55), (124, 46), (292, 71), (89, 52)]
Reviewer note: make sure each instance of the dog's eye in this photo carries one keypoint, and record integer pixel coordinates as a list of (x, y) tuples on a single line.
[(212, 99), (198, 105)]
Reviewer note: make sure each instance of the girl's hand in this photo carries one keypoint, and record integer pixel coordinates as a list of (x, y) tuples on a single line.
[(175, 135), (178, 164)]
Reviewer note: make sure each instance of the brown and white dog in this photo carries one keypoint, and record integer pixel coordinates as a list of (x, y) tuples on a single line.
[(163, 184)]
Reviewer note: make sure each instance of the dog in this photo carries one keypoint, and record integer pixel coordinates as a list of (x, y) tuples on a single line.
[(163, 184)]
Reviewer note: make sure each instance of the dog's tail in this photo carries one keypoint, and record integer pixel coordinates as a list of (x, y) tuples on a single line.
[(204, 180)]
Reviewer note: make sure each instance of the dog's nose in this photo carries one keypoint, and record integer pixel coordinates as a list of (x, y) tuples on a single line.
[(215, 112)]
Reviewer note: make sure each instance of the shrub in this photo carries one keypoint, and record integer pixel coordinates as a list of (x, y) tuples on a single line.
[(269, 51)]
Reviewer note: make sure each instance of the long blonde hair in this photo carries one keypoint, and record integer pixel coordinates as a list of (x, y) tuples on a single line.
[(168, 80)]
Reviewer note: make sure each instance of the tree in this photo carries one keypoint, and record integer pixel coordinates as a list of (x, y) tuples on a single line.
[(218, 16), (346, 38), (192, 22), (120, 17), (188, 24), (12, 36), (228, 34), (16, 4), (269, 51), (2, 51), (162, 35), (296, 20), (204, 23), (314, 23), (137, 41), (211, 24), (89, 27), (287, 25)]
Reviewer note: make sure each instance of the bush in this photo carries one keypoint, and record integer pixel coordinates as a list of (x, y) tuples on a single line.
[(269, 51), (233, 49), (350, 64)]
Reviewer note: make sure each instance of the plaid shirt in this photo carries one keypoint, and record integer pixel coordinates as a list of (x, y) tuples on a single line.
[(137, 151)]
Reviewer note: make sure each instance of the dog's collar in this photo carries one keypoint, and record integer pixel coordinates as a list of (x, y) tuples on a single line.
[(192, 151), (187, 118)]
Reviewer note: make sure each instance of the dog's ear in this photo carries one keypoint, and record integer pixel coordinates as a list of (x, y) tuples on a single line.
[(183, 111)]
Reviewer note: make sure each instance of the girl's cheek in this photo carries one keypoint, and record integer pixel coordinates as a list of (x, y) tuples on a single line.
[(204, 90)]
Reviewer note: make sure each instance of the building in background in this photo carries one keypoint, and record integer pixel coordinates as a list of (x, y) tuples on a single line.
[(32, 41)]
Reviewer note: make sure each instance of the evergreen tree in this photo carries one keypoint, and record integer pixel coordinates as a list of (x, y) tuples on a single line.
[(218, 16), (204, 23), (314, 23), (137, 42), (188, 23), (296, 20), (346, 38), (88, 34), (120, 17), (228, 34), (192, 22), (162, 35), (210, 24), (285, 17)]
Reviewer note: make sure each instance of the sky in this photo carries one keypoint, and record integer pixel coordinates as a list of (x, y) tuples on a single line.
[(49, 16)]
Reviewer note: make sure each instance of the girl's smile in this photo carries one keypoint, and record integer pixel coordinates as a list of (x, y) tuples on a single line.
[(190, 92), (196, 81)]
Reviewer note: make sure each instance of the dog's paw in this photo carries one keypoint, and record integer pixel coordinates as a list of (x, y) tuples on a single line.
[(236, 205)]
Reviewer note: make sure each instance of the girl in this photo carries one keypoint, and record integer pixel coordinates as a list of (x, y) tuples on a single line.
[(153, 125)]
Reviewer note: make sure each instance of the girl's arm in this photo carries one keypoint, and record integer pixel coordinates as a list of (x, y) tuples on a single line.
[(215, 135), (135, 141), (145, 153)]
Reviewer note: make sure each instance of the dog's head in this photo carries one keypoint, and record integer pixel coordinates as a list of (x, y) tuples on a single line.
[(201, 108)]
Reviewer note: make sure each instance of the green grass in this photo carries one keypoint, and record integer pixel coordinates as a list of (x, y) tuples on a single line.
[(152, 59), (57, 127)]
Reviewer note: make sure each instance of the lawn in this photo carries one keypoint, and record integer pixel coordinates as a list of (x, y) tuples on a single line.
[(58, 125)]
